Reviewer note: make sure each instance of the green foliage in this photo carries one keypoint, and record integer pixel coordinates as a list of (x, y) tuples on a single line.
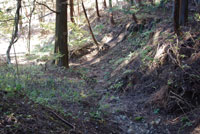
[(7, 25), (144, 54), (47, 26), (197, 17), (138, 118), (77, 36), (156, 111), (98, 29)]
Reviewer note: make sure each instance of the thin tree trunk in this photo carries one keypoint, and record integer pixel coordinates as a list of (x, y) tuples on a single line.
[(61, 44), (133, 14), (72, 11), (91, 32), (186, 12), (29, 28), (176, 17), (97, 9), (112, 22), (78, 8), (104, 4), (15, 31)]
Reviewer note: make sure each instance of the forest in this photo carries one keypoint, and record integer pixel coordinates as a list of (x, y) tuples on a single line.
[(99, 67)]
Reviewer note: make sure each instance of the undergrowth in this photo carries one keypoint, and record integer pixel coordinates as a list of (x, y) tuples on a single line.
[(50, 90)]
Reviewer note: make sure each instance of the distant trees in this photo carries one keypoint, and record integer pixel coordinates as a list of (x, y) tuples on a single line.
[(180, 17)]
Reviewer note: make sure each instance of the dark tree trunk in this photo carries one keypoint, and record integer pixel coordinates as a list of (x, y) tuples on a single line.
[(133, 14), (183, 12), (97, 9), (176, 16), (132, 2), (61, 44), (111, 13), (134, 18), (72, 11), (104, 4)]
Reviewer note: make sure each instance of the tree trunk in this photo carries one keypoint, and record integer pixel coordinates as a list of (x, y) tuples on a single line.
[(97, 9), (91, 32), (132, 2), (15, 31), (61, 44), (29, 27), (78, 8), (104, 4), (183, 12), (176, 16), (133, 14), (112, 22), (72, 11)]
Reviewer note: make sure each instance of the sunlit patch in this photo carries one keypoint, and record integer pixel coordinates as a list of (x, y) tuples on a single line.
[(196, 130)]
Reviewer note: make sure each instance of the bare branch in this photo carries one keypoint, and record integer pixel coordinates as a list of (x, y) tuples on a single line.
[(46, 7)]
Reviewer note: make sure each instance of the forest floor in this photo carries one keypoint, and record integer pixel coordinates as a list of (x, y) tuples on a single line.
[(118, 89)]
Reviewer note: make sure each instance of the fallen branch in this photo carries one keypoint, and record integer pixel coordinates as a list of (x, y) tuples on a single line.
[(60, 118)]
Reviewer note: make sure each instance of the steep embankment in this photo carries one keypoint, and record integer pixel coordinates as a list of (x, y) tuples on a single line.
[(147, 76)]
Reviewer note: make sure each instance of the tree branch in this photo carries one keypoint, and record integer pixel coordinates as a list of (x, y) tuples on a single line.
[(47, 7)]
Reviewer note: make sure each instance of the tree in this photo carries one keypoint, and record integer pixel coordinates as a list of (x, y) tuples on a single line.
[(91, 32), (97, 9), (78, 8), (183, 12), (72, 11), (176, 16), (104, 4), (133, 14), (14, 37), (61, 44), (111, 13)]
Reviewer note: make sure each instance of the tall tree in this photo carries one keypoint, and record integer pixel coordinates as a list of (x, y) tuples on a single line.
[(78, 9), (104, 4), (183, 12), (176, 16), (61, 44), (133, 14), (97, 9), (14, 37), (72, 11), (111, 13), (87, 19), (29, 27)]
